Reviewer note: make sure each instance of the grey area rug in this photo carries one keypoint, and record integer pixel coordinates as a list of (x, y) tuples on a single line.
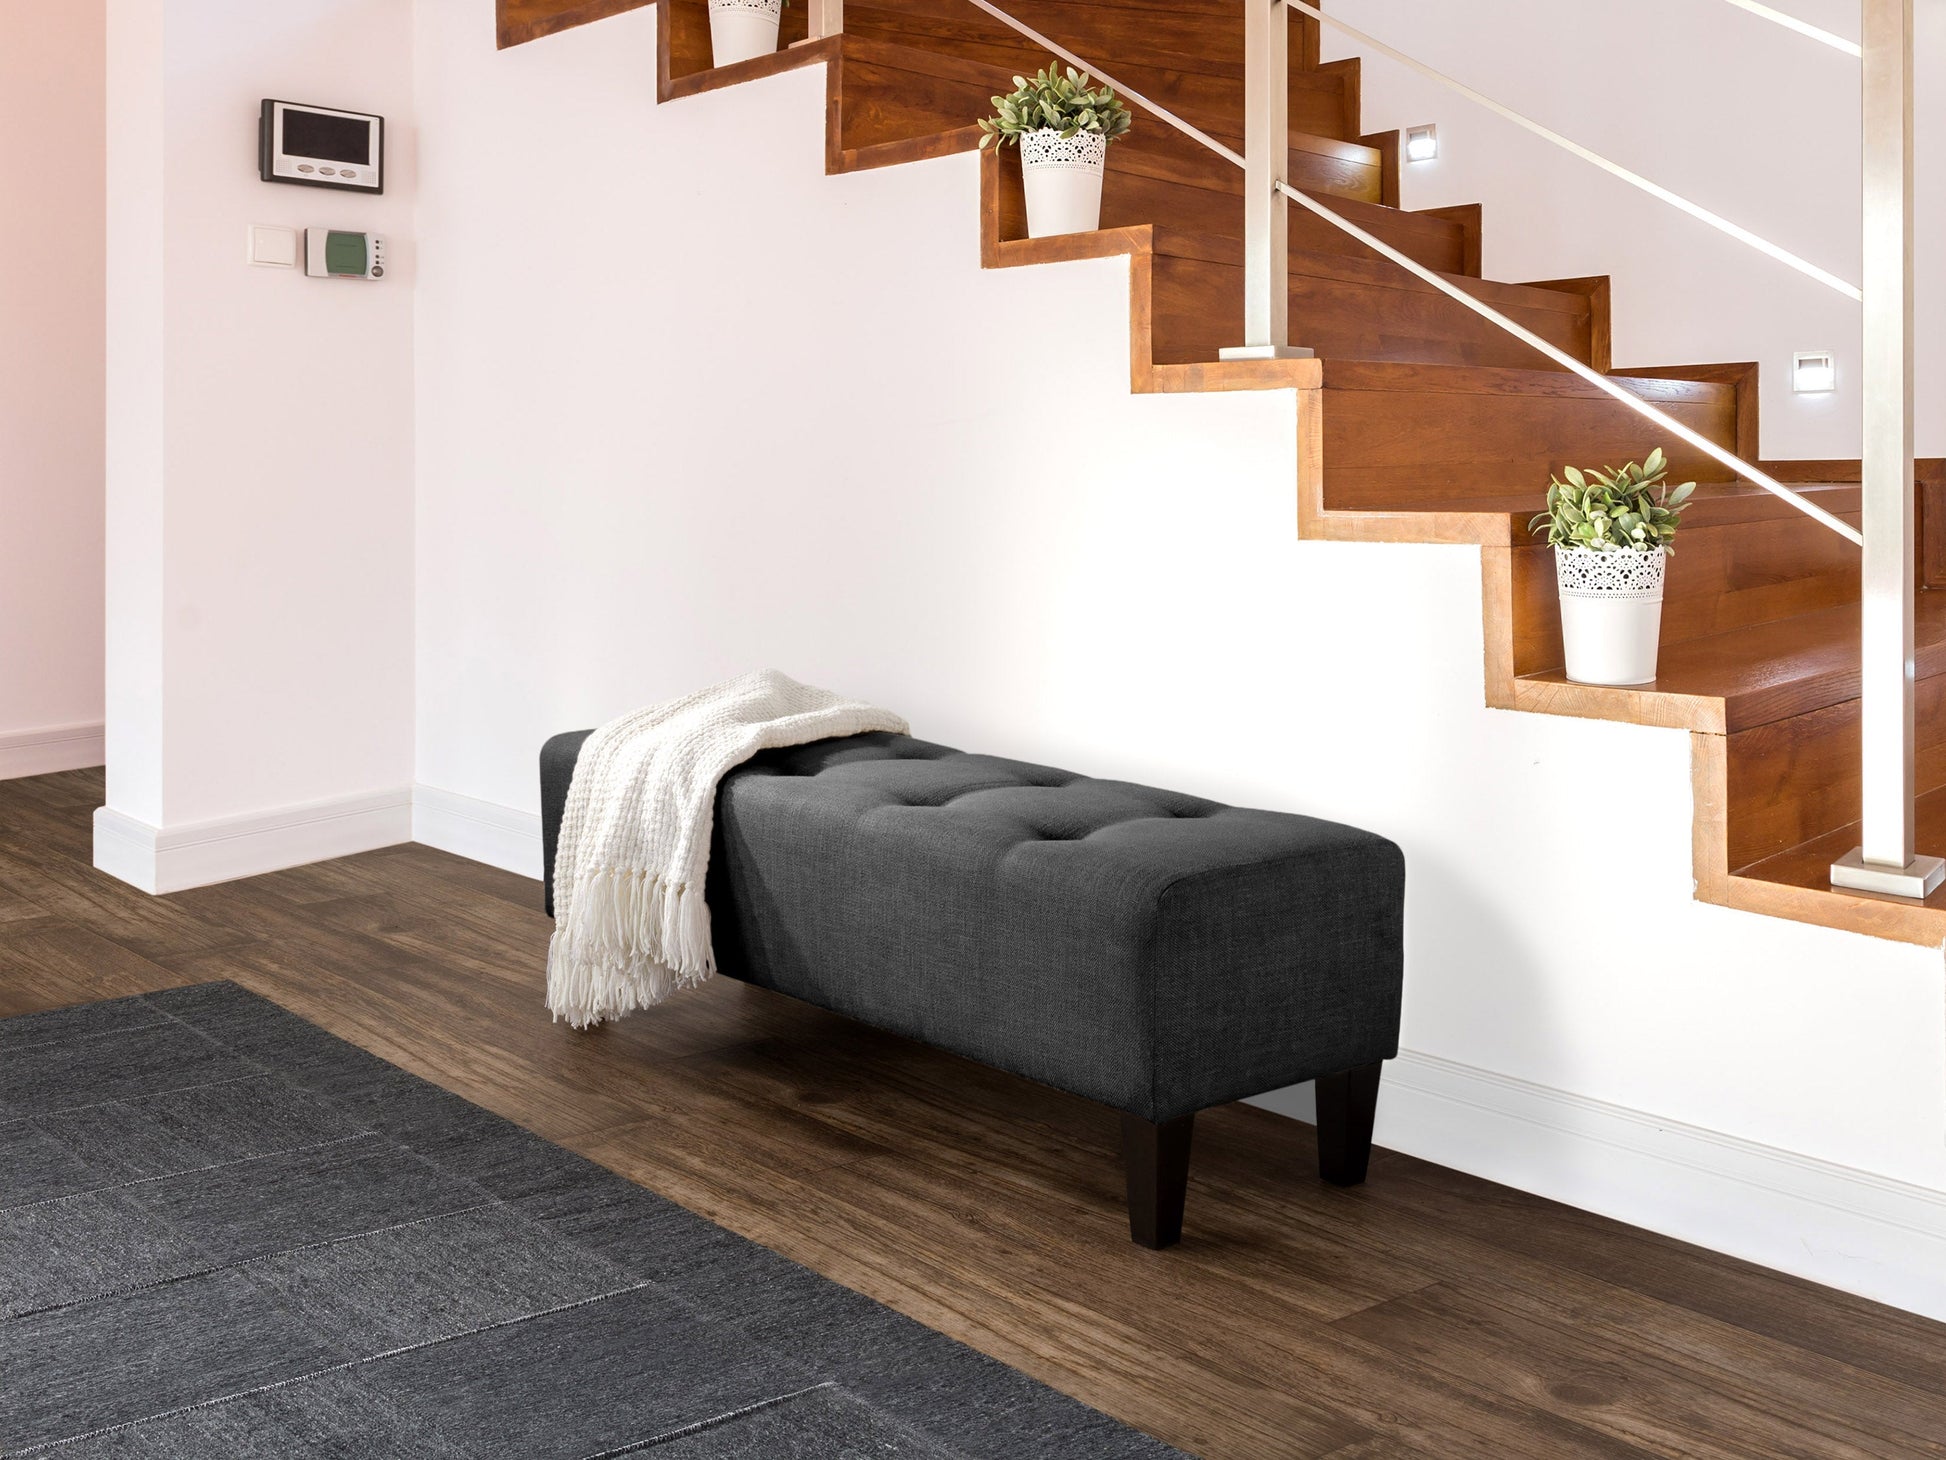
[(224, 1232)]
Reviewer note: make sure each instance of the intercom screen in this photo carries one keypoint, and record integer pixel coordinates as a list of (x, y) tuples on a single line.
[(334, 139)]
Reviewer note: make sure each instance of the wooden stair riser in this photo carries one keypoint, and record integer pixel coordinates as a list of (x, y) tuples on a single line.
[(1594, 294), (1418, 445), (881, 102), (1317, 165), (1470, 219), (1440, 239), (1340, 309), (1324, 95), (1798, 778)]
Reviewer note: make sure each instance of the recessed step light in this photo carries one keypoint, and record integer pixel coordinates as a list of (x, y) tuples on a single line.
[(1421, 143), (1813, 372)]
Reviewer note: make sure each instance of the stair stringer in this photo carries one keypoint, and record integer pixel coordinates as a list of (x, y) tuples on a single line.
[(1703, 716)]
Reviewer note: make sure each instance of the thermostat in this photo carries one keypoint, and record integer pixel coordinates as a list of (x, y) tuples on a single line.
[(331, 253)]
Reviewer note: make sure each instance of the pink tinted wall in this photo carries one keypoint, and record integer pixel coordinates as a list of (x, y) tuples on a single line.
[(51, 364)]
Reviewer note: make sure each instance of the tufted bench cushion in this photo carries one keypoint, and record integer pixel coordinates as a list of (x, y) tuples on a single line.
[(1150, 950)]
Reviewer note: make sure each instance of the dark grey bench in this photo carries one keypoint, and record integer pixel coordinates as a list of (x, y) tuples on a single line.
[(1152, 951)]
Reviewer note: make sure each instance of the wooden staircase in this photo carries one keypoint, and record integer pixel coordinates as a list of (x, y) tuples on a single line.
[(1419, 421)]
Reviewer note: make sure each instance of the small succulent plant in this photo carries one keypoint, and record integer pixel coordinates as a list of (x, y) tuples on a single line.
[(1067, 102), (1630, 509)]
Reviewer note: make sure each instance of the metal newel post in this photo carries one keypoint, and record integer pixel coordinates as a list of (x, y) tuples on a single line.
[(827, 18), (1887, 862), (1266, 165)]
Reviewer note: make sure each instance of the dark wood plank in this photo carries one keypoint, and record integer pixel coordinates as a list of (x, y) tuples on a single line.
[(1833, 1340), (47, 960), (1550, 1361), (65, 885)]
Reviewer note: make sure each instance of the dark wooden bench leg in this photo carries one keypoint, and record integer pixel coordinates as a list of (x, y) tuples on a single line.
[(1347, 1104), (1157, 1162)]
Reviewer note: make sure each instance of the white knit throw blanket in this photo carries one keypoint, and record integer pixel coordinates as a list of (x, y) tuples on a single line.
[(631, 927)]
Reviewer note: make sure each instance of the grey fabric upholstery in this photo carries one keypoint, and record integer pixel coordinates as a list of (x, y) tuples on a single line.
[(1150, 950)]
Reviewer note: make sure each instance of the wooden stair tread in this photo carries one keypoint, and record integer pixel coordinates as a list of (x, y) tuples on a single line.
[(716, 78), (1767, 671), (1419, 377), (1808, 865)]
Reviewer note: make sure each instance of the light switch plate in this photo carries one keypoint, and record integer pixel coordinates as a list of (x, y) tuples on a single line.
[(272, 246)]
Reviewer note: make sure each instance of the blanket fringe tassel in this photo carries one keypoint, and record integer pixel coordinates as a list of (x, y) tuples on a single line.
[(630, 941)]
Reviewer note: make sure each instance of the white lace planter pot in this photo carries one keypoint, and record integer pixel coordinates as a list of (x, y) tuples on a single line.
[(742, 29), (1611, 612), (1062, 176)]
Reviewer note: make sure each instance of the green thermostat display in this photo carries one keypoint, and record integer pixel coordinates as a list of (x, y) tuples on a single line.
[(344, 253), (333, 253)]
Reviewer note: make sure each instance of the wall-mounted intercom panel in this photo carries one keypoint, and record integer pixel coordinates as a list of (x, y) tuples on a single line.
[(334, 253), (321, 147)]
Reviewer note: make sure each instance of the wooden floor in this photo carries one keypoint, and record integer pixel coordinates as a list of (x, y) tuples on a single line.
[(1426, 1313)]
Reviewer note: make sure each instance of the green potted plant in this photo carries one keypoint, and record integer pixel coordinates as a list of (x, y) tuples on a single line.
[(1062, 124), (1611, 531)]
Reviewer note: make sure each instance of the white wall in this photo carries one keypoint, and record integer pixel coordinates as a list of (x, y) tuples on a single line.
[(260, 450), (687, 406), (51, 115), (1753, 121)]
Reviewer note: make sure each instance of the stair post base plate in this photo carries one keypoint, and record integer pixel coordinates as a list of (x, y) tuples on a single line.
[(1266, 352), (1916, 879)]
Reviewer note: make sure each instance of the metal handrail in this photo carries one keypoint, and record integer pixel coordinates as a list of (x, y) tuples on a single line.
[(1634, 179), (1802, 27), (1560, 357)]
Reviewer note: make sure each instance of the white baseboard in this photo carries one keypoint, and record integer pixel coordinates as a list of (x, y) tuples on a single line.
[(482, 831), (1867, 1234), (53, 748), (196, 854)]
